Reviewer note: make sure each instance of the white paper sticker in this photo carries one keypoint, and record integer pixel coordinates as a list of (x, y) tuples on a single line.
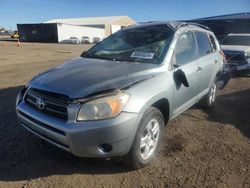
[(142, 55)]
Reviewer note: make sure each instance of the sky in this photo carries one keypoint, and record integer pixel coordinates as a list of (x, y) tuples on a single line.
[(37, 11)]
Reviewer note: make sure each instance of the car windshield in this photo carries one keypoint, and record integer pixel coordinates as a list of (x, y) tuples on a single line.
[(236, 40), (142, 44)]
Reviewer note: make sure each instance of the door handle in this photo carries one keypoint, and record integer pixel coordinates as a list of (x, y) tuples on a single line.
[(199, 69)]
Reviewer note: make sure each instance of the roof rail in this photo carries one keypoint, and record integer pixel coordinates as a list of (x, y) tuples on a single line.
[(183, 24), (199, 25)]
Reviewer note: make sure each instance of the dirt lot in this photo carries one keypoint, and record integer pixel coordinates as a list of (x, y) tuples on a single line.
[(201, 148)]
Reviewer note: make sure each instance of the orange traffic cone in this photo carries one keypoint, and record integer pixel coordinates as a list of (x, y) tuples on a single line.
[(18, 43)]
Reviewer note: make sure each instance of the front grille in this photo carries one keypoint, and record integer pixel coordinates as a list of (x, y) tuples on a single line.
[(53, 106), (235, 58)]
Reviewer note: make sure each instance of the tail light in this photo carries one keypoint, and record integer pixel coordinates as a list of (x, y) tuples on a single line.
[(223, 55)]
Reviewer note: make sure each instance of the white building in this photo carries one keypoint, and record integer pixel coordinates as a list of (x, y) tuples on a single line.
[(58, 30)]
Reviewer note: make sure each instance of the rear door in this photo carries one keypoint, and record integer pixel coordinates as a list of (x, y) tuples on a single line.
[(207, 61), (185, 59)]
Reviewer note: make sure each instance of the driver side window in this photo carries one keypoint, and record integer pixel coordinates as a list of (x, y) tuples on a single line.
[(185, 49)]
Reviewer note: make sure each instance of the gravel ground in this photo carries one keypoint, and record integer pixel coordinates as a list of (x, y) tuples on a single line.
[(200, 148)]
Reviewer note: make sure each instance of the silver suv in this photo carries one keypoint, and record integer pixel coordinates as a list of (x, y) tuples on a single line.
[(115, 99)]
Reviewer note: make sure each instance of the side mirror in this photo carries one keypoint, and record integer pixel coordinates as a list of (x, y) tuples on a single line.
[(180, 78)]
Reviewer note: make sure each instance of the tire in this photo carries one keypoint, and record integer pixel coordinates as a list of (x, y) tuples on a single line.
[(147, 139), (209, 99)]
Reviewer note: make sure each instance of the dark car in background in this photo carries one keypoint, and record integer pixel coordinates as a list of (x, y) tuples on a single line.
[(236, 48)]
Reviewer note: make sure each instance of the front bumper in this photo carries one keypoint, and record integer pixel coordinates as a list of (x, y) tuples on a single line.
[(239, 67), (242, 67), (82, 139)]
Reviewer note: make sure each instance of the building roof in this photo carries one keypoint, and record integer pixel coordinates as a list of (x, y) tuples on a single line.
[(245, 15), (89, 20)]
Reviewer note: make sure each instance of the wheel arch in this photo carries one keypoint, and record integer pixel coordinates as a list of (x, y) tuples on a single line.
[(162, 104)]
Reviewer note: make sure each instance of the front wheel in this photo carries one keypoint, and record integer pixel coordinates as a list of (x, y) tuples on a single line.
[(147, 139)]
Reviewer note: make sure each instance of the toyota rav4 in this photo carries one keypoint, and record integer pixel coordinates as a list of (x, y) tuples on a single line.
[(115, 99)]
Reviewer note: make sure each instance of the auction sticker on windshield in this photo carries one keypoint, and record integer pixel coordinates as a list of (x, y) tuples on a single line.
[(142, 55)]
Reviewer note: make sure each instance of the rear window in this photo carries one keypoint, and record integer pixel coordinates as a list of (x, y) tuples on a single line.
[(203, 43)]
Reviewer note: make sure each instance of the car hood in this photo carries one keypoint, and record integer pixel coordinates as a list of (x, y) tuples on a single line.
[(236, 48), (82, 76)]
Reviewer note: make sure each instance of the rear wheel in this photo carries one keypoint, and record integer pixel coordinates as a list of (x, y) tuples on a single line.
[(147, 139), (210, 98)]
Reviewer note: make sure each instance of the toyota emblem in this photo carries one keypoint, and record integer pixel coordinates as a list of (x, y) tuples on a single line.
[(40, 104)]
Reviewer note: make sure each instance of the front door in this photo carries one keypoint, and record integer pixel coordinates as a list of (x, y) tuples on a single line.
[(185, 60)]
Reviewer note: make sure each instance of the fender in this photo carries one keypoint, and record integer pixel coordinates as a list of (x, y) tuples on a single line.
[(148, 92)]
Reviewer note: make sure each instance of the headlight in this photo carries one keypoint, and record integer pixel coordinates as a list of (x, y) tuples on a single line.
[(20, 95), (19, 98), (103, 108), (247, 55), (248, 60)]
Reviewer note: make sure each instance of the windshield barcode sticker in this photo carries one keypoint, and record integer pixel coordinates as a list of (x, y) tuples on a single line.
[(142, 55)]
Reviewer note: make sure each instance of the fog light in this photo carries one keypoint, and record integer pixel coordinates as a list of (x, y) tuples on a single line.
[(105, 148)]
